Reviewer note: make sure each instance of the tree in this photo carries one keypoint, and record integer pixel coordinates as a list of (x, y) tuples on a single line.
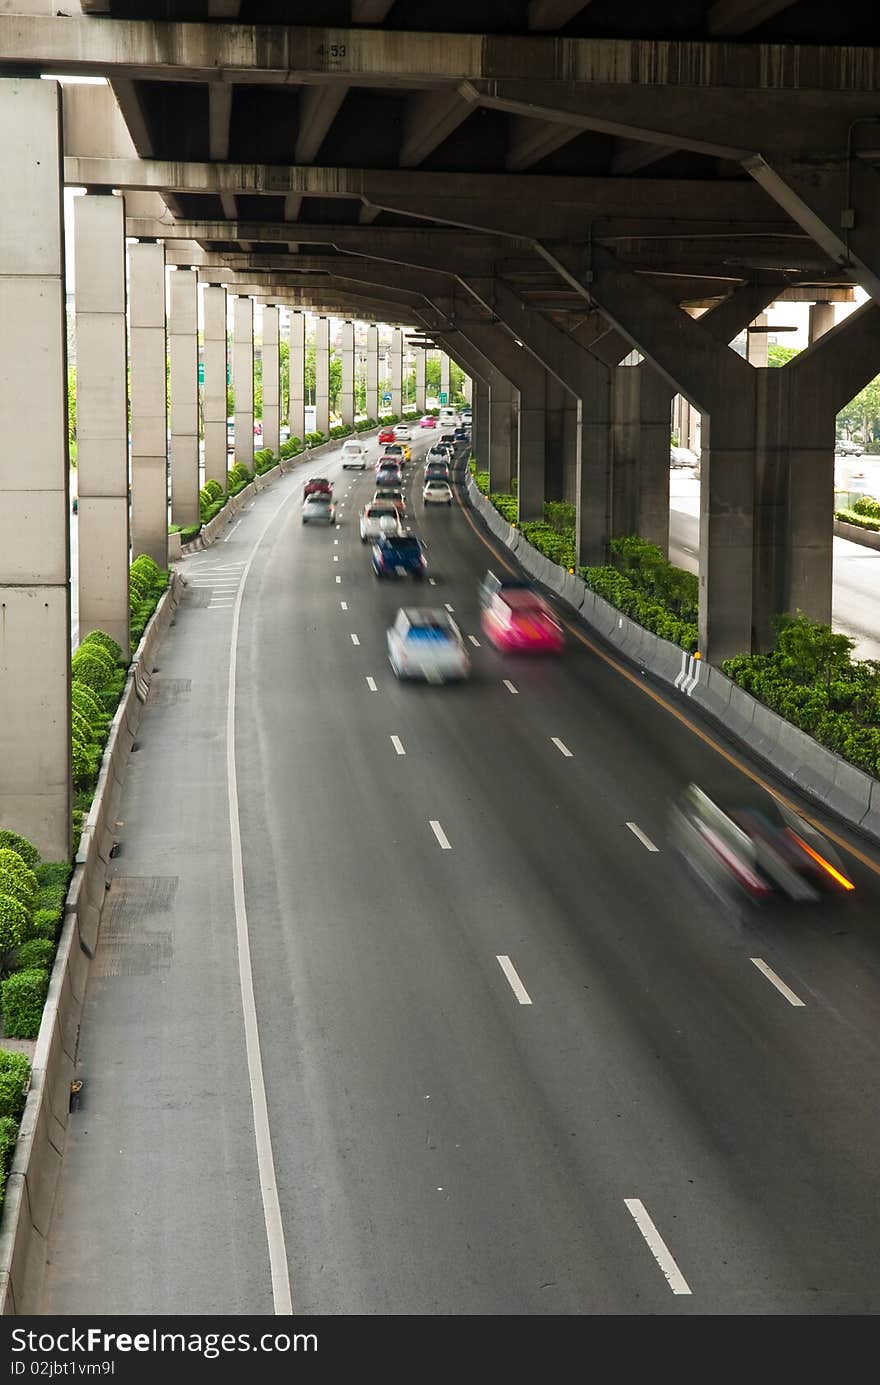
[(861, 415), (781, 355)]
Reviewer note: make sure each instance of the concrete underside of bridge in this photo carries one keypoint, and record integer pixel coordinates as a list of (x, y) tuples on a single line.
[(552, 195)]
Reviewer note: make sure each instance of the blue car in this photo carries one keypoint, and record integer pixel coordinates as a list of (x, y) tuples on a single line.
[(399, 555)]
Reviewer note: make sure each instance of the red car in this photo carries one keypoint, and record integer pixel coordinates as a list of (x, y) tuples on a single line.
[(317, 483), (386, 435), (429, 421), (519, 620)]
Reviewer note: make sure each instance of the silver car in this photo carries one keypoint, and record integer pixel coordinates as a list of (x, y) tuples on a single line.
[(427, 643), (318, 508)]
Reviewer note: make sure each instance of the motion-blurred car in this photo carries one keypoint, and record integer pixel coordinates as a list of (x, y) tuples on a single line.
[(402, 432), (682, 457), (438, 454), (518, 620), (461, 436), (401, 450), (448, 440), (429, 421), (399, 555), (386, 435), (394, 495), (354, 454), (389, 476), (844, 448), (437, 493), (755, 848), (318, 508), (378, 519), (491, 584), (437, 471), (316, 484), (425, 643)]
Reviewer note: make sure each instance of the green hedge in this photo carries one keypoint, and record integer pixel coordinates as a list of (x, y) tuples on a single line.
[(15, 1070), (24, 994), (365, 425), (618, 589), (811, 679), (861, 521)]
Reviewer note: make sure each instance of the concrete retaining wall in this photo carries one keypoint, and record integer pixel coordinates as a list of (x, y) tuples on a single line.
[(849, 792), (869, 538), (30, 1189)]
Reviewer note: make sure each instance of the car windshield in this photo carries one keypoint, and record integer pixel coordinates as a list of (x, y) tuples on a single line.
[(377, 511), (437, 633), (403, 545), (435, 485)]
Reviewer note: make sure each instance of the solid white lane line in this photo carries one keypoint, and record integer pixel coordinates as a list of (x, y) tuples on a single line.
[(343, 605), (677, 1282), (645, 841), (474, 641), (563, 749), (371, 684), (395, 741), (516, 985), (354, 639), (228, 536), (776, 981), (440, 835), (509, 686), (450, 608)]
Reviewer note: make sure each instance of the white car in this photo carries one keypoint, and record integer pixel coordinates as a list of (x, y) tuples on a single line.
[(403, 432), (354, 454), (427, 643), (378, 518), (682, 456), (318, 508), (844, 448), (437, 493)]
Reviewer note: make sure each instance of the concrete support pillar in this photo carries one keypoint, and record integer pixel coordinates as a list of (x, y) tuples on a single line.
[(397, 371), (444, 375), (421, 378), (102, 417), (554, 441), (467, 389), (593, 473), (183, 350), (570, 449), (652, 492), (531, 445), (215, 396), (149, 416), (35, 785), (322, 375), (502, 433), (347, 403), (625, 449), (243, 379), (296, 398), (757, 343), (481, 430), (271, 379), (372, 371), (821, 320)]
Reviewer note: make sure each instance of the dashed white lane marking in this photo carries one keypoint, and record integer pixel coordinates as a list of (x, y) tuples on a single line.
[(396, 742), (335, 540), (440, 835), (371, 684), (776, 981), (343, 605), (449, 608), (339, 579), (561, 747), (354, 639), (336, 557), (645, 841), (677, 1282), (474, 641), (516, 985), (432, 582), (509, 686), (228, 536)]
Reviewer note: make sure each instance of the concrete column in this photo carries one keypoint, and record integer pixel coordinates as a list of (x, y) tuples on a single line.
[(421, 373), (502, 433), (102, 417), (348, 373), (757, 343), (821, 320), (149, 417), (531, 457), (570, 449), (296, 398), (322, 375), (397, 371), (35, 788), (554, 436), (214, 396), (593, 466), (372, 371), (444, 375), (183, 350), (652, 492), (468, 388), (625, 448), (271, 379), (243, 379), (481, 431)]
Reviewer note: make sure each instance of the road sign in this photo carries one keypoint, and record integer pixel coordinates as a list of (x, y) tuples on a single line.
[(228, 374), (443, 397), (201, 372), (386, 398)]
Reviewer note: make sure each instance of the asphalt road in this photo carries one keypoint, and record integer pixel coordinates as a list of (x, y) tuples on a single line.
[(855, 608), (657, 1131)]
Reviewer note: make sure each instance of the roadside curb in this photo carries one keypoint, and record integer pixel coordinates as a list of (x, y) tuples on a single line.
[(846, 790), (33, 1178)]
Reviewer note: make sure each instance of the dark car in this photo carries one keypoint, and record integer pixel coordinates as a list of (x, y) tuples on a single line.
[(437, 471), (461, 436), (399, 555), (448, 440), (390, 477), (755, 848)]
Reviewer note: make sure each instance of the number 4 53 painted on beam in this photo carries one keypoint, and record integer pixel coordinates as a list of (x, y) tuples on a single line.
[(331, 50)]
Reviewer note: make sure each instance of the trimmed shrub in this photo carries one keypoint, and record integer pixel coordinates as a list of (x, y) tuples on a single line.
[(617, 588), (16, 878), (105, 642), (559, 548), (14, 918), (26, 850), (144, 566), (15, 1071), (506, 505), (81, 727), (859, 520), (83, 700), (212, 489), (44, 924), (867, 506), (190, 532), (36, 952), (89, 670), (24, 995), (8, 1138), (239, 477)]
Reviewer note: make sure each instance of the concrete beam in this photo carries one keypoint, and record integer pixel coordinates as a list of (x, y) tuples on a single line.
[(730, 17), (553, 14), (219, 112), (533, 140), (318, 108), (431, 117), (369, 11)]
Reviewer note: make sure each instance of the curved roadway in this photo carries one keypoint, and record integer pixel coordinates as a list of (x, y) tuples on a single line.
[(658, 1131)]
